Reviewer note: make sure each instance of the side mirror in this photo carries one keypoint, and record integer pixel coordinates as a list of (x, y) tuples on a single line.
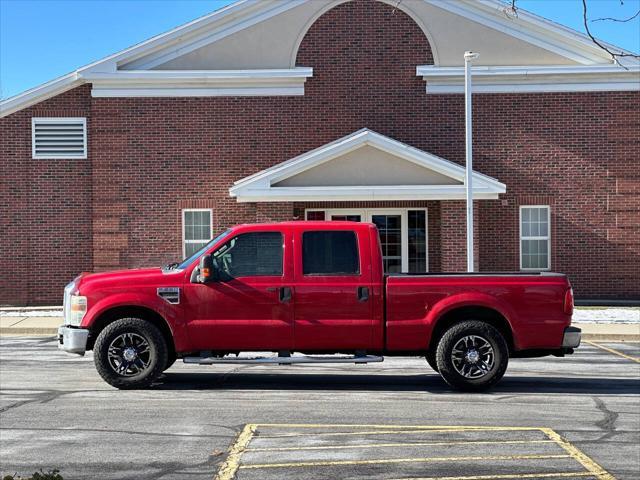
[(207, 269)]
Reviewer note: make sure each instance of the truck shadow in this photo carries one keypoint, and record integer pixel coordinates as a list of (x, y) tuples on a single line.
[(431, 383)]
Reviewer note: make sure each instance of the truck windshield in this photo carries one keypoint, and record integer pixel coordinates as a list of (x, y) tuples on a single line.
[(188, 261)]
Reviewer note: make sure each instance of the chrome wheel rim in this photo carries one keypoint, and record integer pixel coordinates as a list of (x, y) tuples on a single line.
[(472, 356), (129, 354)]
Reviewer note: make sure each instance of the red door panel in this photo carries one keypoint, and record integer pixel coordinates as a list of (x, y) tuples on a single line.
[(246, 312), (330, 314)]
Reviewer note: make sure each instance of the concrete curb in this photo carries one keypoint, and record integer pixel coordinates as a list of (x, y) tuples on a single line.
[(604, 337), (28, 331)]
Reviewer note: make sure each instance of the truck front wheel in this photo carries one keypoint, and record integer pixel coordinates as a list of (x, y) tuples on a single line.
[(130, 353), (472, 356), (431, 360)]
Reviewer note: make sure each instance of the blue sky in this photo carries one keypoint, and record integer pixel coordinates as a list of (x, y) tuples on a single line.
[(43, 39)]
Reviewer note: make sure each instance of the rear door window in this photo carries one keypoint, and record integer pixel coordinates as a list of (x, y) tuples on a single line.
[(330, 253)]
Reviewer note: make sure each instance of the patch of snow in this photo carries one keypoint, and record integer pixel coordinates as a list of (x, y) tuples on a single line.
[(607, 315), (30, 313)]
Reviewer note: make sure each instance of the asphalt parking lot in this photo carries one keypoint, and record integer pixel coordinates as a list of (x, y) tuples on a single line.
[(551, 418)]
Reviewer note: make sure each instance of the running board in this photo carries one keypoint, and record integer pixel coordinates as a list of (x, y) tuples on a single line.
[(282, 360)]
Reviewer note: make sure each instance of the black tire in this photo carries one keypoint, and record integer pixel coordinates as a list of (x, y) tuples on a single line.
[(171, 359), (145, 367), (451, 364), (431, 359)]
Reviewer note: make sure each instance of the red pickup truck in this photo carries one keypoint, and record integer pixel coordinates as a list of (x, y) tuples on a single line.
[(315, 288)]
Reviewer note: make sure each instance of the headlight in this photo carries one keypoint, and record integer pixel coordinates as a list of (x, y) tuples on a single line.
[(77, 309), (66, 301)]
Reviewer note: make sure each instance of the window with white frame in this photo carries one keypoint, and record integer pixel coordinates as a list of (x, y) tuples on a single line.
[(196, 229), (535, 237), (59, 137)]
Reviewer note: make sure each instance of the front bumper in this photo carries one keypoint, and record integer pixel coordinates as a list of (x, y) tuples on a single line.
[(571, 338), (72, 340)]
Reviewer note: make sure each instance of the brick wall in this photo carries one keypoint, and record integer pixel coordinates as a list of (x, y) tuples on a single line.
[(151, 157), (45, 208)]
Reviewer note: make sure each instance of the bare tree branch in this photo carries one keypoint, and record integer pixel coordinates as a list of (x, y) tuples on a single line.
[(614, 55), (621, 20)]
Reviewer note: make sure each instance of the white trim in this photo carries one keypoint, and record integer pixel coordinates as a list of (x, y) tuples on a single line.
[(199, 83), (532, 78), (196, 92), (205, 35), (545, 237), (40, 93), (561, 35), (242, 13), (367, 214), (184, 240), (53, 121), (259, 187), (197, 76), (395, 192), (528, 28)]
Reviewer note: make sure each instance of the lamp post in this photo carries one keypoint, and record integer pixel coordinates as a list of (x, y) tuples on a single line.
[(469, 57)]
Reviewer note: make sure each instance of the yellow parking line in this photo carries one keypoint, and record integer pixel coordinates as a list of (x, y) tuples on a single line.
[(597, 471), (515, 476), (399, 460), (230, 466), (615, 352), (406, 444), (375, 432), (419, 427)]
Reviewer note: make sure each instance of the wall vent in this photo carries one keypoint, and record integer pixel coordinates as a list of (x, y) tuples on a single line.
[(59, 137)]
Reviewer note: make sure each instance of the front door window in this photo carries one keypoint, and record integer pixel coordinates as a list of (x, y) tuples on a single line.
[(403, 234)]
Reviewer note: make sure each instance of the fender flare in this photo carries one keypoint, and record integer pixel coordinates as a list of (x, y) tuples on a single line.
[(473, 299), (135, 300)]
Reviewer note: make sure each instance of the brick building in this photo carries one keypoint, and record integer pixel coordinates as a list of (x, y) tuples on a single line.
[(279, 110)]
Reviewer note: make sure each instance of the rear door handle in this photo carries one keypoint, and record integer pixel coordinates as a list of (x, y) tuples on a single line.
[(363, 294), (285, 294)]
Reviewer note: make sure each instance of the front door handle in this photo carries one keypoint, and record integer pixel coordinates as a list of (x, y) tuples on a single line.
[(285, 294), (363, 294)]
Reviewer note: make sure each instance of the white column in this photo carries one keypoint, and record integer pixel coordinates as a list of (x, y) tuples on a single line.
[(468, 180)]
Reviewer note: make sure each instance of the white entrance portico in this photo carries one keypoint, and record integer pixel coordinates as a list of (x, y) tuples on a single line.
[(366, 166)]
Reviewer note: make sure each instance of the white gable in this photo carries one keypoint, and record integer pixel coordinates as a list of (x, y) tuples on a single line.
[(273, 41), (367, 165), (250, 47), (363, 166)]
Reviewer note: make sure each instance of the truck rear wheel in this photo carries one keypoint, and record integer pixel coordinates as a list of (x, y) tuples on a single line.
[(130, 353), (472, 356)]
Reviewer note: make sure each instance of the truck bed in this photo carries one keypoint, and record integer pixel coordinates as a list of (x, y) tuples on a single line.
[(530, 304)]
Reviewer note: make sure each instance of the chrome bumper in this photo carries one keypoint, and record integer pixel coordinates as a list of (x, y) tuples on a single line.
[(571, 338), (72, 340)]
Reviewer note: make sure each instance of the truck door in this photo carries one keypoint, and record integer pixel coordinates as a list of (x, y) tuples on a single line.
[(333, 289), (251, 305)]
